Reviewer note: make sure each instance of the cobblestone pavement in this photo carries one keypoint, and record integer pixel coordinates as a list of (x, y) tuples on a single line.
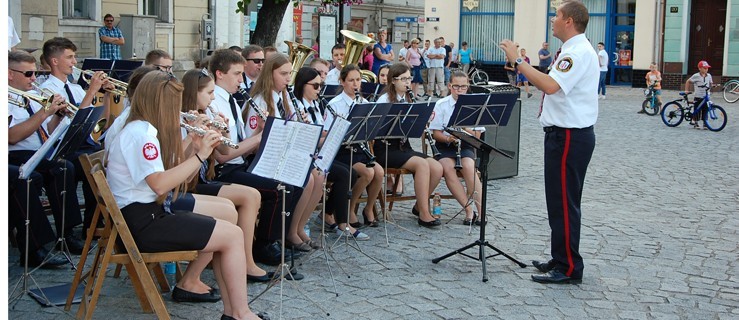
[(659, 239)]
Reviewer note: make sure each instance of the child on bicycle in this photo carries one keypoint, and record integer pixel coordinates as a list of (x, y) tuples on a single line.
[(654, 77), (702, 82)]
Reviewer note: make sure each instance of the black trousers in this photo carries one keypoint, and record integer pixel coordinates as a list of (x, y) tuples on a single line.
[(269, 228), (337, 202), (40, 232), (567, 153), (55, 183), (90, 200)]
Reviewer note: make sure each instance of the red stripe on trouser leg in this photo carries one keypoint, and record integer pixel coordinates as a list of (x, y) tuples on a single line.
[(565, 210)]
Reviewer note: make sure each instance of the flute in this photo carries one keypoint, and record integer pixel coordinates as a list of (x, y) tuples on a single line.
[(201, 132), (211, 123)]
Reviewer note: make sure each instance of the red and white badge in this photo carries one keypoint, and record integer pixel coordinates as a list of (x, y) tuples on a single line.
[(150, 151), (253, 122)]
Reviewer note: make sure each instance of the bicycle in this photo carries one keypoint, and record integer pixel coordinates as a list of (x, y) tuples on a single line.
[(651, 104), (714, 116), (731, 91), (475, 74)]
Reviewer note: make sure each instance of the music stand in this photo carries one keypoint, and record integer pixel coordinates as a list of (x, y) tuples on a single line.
[(475, 110), (404, 120), (371, 91), (122, 69)]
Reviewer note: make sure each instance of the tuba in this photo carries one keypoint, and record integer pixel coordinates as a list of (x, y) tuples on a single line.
[(298, 54), (355, 43)]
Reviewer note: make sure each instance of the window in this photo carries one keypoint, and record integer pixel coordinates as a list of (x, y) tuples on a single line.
[(485, 26), (158, 8), (79, 9)]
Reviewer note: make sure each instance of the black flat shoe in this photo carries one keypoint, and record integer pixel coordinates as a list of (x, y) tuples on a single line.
[(262, 316), (543, 267), (415, 212), (263, 278), (555, 277), (429, 224), (35, 259), (357, 225), (181, 295), (469, 222)]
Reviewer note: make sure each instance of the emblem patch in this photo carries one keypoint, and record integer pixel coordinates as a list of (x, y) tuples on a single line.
[(253, 122), (150, 151), (564, 65)]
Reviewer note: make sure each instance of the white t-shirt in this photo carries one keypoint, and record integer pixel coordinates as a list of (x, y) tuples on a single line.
[(699, 81), (575, 105), (13, 38), (603, 60), (133, 156), (401, 54), (438, 62)]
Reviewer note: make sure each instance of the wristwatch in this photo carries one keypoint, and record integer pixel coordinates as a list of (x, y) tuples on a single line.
[(519, 60)]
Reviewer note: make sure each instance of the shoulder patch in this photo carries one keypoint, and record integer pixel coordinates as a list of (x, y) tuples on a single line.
[(565, 64), (150, 151), (253, 122)]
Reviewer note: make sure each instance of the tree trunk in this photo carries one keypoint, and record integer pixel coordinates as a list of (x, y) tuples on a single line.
[(269, 20)]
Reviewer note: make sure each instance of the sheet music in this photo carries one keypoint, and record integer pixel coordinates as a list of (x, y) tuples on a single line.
[(332, 143), (286, 155), (30, 165)]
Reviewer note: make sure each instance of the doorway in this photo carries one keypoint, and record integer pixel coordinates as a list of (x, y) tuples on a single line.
[(707, 30)]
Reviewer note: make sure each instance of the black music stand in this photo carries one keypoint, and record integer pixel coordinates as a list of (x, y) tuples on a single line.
[(328, 92), (371, 91), (122, 69), (475, 110)]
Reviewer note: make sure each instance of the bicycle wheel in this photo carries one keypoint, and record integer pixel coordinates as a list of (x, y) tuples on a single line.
[(731, 91), (715, 119), (672, 114), (479, 77), (650, 107)]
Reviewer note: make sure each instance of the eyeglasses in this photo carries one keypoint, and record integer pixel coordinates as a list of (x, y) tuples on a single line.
[(203, 73), (163, 67), (316, 86), (460, 87), (255, 60), (109, 20), (27, 74), (404, 79)]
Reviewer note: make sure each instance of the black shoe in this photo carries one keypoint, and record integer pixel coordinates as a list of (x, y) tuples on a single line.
[(262, 316), (469, 222), (269, 254), (74, 245), (556, 277), (35, 259), (294, 275), (181, 295), (263, 278), (415, 212), (543, 267), (429, 224), (368, 222)]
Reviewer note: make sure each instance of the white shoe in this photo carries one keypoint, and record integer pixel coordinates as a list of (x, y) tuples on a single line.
[(358, 235)]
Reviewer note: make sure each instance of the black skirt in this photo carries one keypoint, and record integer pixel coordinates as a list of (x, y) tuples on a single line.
[(397, 153), (450, 151), (154, 230)]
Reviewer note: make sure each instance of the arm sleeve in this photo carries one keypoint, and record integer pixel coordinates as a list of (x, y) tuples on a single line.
[(145, 155), (568, 71)]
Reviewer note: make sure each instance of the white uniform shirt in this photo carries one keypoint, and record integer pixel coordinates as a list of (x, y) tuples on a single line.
[(116, 127), (442, 112), (384, 98), (575, 105), (133, 156), (252, 116), (342, 106), (20, 115), (603, 60), (57, 86), (221, 104), (305, 104), (332, 77), (698, 81), (248, 82)]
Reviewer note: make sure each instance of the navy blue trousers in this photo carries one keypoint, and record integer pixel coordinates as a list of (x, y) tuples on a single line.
[(567, 153)]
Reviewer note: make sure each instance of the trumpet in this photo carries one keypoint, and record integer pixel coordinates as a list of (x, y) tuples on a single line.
[(252, 104), (217, 125), (201, 132), (119, 87), (46, 93), (45, 100)]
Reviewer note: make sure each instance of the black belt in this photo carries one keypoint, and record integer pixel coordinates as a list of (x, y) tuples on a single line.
[(555, 128)]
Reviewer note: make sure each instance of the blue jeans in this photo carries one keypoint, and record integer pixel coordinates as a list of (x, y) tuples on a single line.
[(602, 83), (447, 75)]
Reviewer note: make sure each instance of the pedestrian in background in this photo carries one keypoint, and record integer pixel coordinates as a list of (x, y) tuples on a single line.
[(545, 58), (603, 63), (111, 39)]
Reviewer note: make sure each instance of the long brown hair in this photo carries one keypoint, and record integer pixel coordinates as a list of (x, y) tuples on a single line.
[(193, 82), (157, 101), (265, 83), (396, 69)]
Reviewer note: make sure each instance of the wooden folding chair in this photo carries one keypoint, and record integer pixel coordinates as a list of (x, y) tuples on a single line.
[(138, 265)]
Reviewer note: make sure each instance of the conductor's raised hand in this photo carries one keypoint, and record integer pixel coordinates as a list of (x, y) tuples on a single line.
[(510, 49)]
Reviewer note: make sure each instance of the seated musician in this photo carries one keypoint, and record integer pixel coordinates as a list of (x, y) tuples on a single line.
[(147, 170), (337, 59), (426, 171), (226, 67), (29, 128), (447, 145), (120, 120), (370, 177)]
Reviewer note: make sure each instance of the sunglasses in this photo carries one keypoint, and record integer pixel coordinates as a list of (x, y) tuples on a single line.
[(256, 60), (108, 20), (27, 74), (316, 86)]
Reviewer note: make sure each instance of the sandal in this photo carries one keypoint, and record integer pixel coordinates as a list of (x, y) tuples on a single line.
[(304, 247), (313, 244)]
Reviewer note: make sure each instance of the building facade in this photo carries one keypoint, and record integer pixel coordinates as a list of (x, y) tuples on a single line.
[(675, 34)]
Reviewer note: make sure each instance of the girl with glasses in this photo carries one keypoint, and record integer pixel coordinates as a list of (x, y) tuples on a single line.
[(447, 145), (426, 171)]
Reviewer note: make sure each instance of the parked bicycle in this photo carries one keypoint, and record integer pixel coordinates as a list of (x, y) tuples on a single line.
[(651, 104), (475, 73), (731, 91), (713, 116)]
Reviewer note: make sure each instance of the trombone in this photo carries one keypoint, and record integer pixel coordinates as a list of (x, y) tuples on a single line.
[(119, 87)]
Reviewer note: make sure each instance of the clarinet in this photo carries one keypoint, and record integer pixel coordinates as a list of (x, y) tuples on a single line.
[(458, 159), (252, 104), (294, 101), (201, 132), (211, 123), (363, 146), (429, 135)]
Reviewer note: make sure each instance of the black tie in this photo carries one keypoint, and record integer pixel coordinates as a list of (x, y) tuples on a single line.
[(70, 96), (281, 108), (232, 102), (312, 111)]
